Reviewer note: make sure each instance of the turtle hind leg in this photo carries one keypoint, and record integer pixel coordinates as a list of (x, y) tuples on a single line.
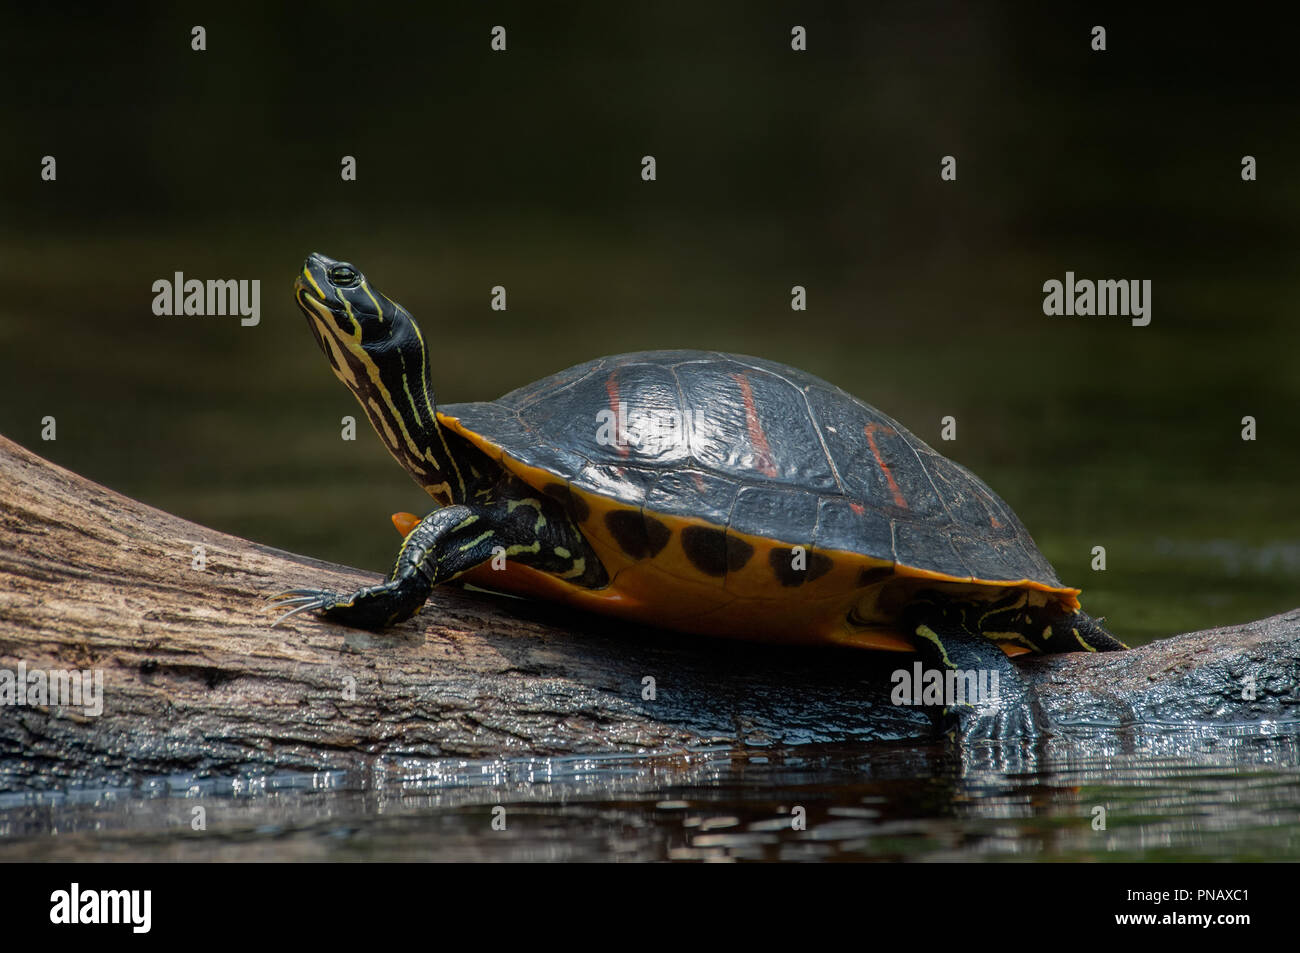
[(1051, 629), (1091, 635), (984, 696), (1043, 628)]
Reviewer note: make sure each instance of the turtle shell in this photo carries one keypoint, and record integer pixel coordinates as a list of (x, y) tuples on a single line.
[(756, 449)]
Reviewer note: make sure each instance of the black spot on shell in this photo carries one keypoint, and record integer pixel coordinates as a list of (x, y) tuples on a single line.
[(576, 505), (868, 577), (782, 562), (713, 552), (656, 534), (636, 535)]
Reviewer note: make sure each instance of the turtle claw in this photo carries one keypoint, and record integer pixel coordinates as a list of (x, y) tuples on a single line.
[(367, 608), (293, 612), (297, 600), (302, 600), (296, 595)]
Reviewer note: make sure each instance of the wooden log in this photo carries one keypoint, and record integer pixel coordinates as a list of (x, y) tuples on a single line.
[(195, 680)]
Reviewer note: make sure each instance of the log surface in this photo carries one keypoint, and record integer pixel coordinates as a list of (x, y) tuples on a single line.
[(195, 679)]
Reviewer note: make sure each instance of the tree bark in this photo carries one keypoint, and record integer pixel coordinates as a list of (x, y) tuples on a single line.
[(195, 680)]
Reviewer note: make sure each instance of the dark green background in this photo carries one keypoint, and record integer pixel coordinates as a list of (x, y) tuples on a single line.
[(775, 168)]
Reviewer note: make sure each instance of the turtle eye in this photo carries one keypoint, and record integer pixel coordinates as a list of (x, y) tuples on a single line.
[(343, 276)]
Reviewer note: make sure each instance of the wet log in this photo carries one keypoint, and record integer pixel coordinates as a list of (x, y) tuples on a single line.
[(196, 681)]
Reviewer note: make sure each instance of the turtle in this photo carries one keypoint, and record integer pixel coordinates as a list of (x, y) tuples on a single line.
[(700, 491)]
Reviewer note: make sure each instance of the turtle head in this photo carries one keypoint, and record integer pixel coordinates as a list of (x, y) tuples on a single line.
[(350, 318), (376, 349)]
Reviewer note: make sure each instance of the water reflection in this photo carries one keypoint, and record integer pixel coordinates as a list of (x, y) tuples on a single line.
[(1147, 794)]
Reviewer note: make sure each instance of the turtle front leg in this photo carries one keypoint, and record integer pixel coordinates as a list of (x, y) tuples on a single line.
[(451, 541), (984, 695), (446, 543)]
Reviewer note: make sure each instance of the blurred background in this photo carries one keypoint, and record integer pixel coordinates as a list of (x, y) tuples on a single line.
[(775, 168)]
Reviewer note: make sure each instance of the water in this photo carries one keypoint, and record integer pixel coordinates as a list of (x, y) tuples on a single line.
[(1166, 795)]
